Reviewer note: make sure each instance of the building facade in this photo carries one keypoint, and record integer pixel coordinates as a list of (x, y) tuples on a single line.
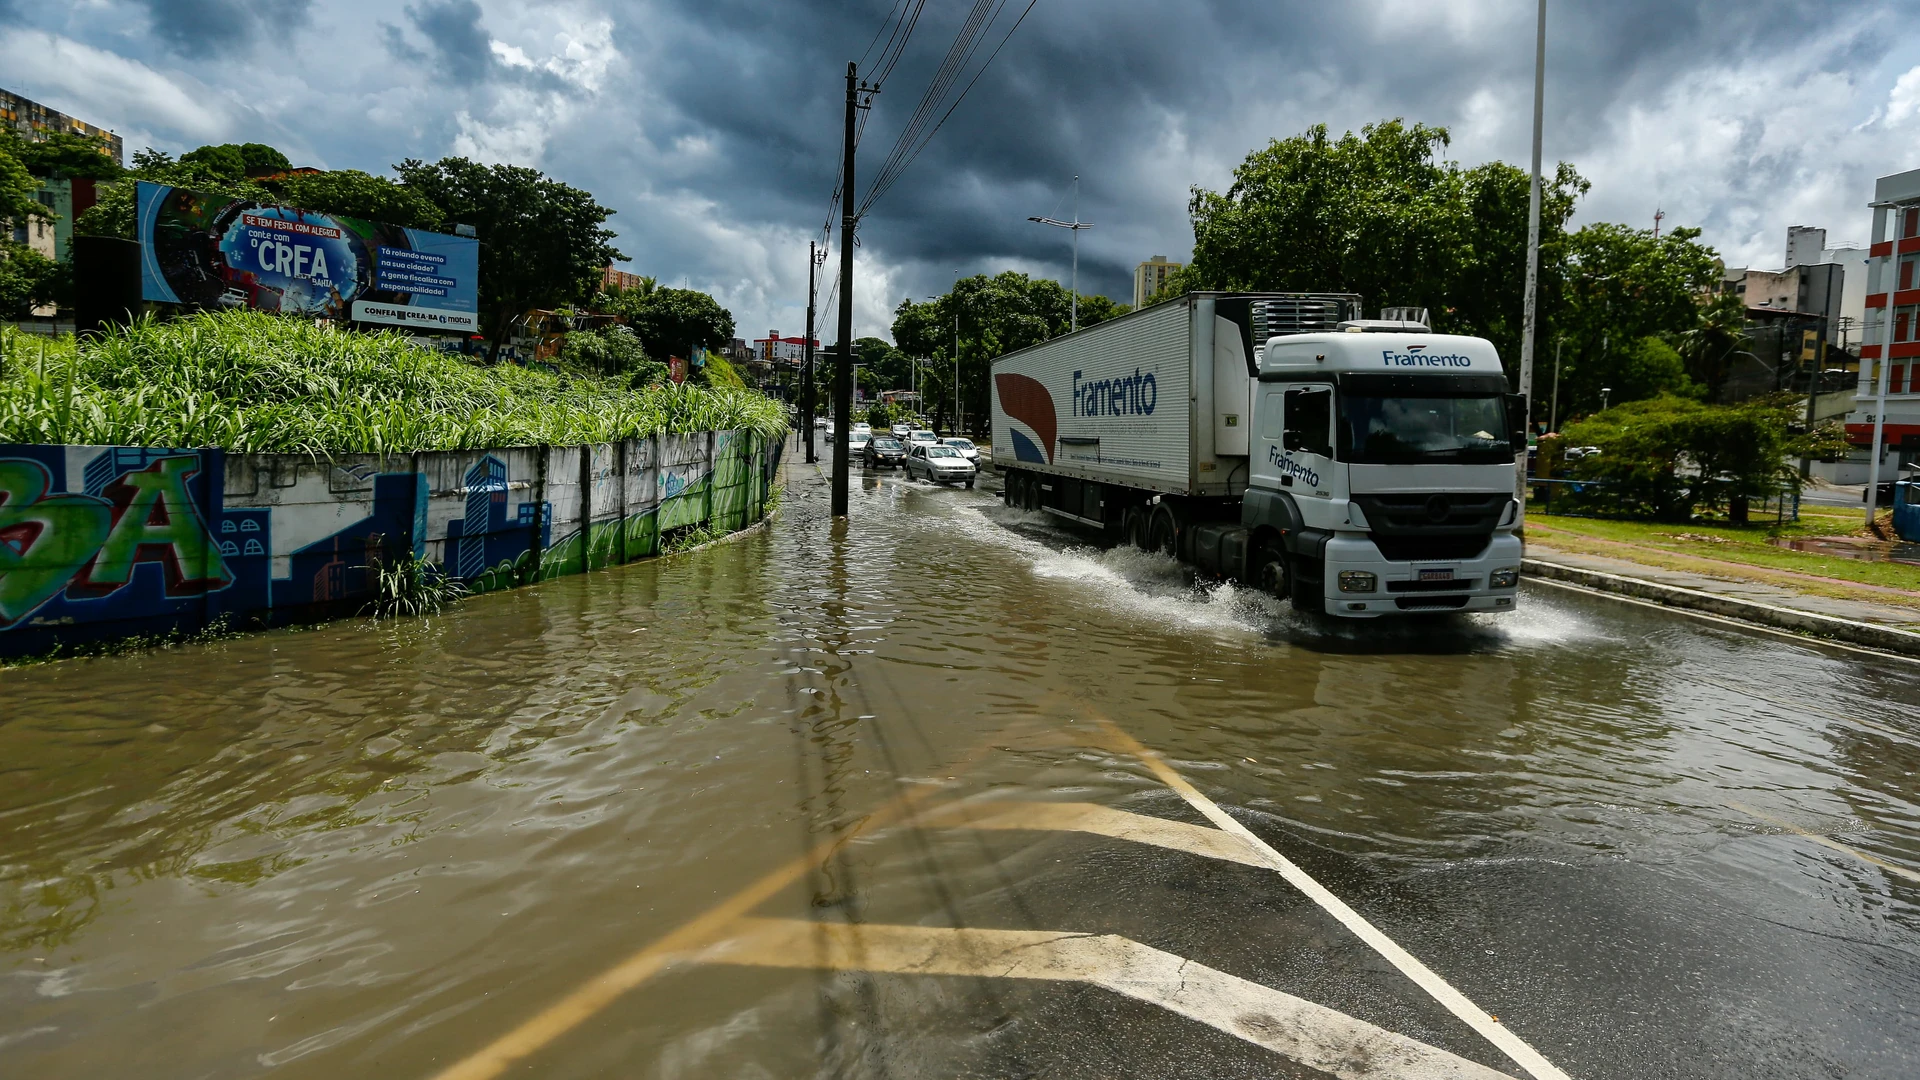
[(1891, 357), (35, 121), (1149, 276), (612, 279), (774, 349)]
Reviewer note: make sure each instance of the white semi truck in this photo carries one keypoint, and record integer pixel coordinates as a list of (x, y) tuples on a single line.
[(1356, 468)]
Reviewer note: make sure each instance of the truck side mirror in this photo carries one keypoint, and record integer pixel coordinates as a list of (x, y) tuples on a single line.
[(1517, 422)]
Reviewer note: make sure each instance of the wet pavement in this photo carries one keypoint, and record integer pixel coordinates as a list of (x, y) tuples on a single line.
[(845, 802)]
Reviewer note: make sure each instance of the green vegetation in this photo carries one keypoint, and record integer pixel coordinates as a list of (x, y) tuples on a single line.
[(412, 587), (996, 315), (1670, 457), (670, 322), (258, 383), (1706, 548), (1384, 214)]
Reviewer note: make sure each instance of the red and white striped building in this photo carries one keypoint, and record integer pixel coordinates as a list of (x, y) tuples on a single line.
[(782, 350), (1891, 276)]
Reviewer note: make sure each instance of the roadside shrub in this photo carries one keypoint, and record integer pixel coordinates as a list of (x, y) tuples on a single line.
[(414, 586), (256, 383)]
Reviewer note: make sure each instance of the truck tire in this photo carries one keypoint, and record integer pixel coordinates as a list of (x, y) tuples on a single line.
[(1270, 570), (1133, 527), (1163, 533)]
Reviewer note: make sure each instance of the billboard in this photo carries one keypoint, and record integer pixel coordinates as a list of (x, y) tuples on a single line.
[(208, 251)]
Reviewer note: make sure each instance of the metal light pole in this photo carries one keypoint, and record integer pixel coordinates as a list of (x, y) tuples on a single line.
[(1891, 269), (1553, 417), (1074, 227), (1530, 308)]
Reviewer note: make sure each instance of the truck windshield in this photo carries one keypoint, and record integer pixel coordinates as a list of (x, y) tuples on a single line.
[(1399, 430)]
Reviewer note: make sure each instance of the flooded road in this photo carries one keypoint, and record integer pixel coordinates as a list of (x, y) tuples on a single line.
[(928, 795)]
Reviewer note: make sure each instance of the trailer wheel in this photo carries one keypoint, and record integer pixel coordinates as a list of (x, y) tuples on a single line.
[(1016, 491), (1133, 527), (1163, 533), (1032, 495)]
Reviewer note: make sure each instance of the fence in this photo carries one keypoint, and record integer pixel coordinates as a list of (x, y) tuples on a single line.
[(100, 543)]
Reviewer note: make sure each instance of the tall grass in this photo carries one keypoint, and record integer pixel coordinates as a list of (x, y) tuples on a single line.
[(257, 383)]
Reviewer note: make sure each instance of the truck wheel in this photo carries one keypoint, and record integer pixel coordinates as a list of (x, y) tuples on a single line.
[(1133, 527), (1270, 570), (1162, 533)]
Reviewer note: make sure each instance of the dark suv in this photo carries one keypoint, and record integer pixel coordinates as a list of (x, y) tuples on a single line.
[(884, 452)]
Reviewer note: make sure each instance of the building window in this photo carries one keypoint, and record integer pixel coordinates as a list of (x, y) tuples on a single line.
[(1903, 323), (1897, 378), (1910, 222)]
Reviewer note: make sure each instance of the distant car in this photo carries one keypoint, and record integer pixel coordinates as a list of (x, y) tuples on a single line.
[(883, 452), (966, 448), (1581, 453), (900, 430), (857, 441), (921, 435), (863, 429), (939, 464), (821, 421)]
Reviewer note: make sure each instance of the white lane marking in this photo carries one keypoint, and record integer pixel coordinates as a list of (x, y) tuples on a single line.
[(1098, 820), (1825, 842), (1314, 1035), (1436, 987)]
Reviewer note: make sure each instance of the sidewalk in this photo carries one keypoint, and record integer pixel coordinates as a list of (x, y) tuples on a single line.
[(1888, 626)]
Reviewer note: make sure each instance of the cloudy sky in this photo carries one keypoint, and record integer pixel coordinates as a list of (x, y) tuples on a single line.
[(713, 126)]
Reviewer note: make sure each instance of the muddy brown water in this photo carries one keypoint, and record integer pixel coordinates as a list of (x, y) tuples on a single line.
[(371, 850)]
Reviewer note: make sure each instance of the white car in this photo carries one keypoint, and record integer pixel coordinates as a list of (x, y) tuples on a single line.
[(862, 429), (939, 464), (857, 441), (900, 430), (921, 437), (966, 448), (821, 421)]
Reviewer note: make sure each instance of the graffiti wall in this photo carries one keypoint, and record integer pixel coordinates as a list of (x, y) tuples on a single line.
[(99, 543)]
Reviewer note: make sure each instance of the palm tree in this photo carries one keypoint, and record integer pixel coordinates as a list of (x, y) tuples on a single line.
[(1719, 336)]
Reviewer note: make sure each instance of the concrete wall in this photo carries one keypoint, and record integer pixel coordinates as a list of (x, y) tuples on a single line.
[(99, 543)]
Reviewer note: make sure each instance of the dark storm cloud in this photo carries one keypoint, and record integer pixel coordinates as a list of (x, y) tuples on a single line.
[(1143, 101), (459, 48), (202, 28)]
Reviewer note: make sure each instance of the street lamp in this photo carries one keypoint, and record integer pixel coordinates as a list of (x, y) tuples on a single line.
[(1074, 227), (1605, 393), (1894, 211)]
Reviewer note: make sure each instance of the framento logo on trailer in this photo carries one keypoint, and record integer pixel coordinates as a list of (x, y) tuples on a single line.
[(1026, 402)]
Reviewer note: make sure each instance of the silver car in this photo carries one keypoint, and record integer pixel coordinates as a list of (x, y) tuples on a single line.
[(939, 464), (966, 448)]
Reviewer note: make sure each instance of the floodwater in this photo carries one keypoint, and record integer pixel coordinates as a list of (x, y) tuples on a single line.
[(1652, 846)]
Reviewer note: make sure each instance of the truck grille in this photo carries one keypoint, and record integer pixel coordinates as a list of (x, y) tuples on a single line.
[(1450, 585), (1411, 603), (1431, 548)]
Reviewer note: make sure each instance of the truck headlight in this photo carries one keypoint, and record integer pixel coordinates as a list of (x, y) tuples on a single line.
[(1357, 581), (1505, 577)]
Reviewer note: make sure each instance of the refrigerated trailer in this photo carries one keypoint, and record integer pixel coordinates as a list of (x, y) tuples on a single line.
[(1356, 468)]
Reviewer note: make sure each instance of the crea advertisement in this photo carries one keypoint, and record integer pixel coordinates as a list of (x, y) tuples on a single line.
[(207, 251)]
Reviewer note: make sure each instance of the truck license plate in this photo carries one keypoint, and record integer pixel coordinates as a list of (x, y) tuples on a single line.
[(1436, 575)]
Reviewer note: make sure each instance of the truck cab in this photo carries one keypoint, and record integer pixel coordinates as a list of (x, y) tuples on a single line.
[(1381, 476)]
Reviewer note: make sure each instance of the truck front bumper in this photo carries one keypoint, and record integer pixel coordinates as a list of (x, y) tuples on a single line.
[(1424, 587)]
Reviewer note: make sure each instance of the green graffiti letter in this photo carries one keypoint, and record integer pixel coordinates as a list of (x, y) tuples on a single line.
[(157, 520), (44, 540)]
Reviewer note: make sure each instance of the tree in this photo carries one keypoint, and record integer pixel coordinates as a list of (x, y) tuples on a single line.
[(1621, 286), (62, 155), (613, 351), (543, 244), (114, 214), (996, 315), (1383, 215), (29, 280), (1710, 346), (352, 193), (882, 366), (673, 322), (1668, 457), (18, 187), (238, 161)]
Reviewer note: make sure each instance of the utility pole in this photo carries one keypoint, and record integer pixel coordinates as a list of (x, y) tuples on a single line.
[(806, 394), (1531, 308), (1553, 417), (1073, 226), (843, 363)]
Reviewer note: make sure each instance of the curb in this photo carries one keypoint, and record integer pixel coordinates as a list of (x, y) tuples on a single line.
[(1885, 638)]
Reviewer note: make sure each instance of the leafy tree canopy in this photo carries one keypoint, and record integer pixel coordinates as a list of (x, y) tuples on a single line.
[(29, 279), (352, 193), (543, 244), (672, 322), (1621, 286), (1669, 457), (611, 351), (238, 161), (114, 214), (997, 315), (18, 201), (61, 155)]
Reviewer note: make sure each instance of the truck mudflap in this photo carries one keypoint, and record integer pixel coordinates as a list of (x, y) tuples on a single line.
[(1361, 583)]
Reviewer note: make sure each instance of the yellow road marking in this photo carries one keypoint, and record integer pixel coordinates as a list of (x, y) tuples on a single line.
[(1825, 842), (1436, 987), (1314, 1035)]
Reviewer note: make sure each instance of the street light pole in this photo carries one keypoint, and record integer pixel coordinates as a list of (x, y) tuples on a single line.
[(1530, 308), (1074, 226), (1553, 417), (1891, 269)]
